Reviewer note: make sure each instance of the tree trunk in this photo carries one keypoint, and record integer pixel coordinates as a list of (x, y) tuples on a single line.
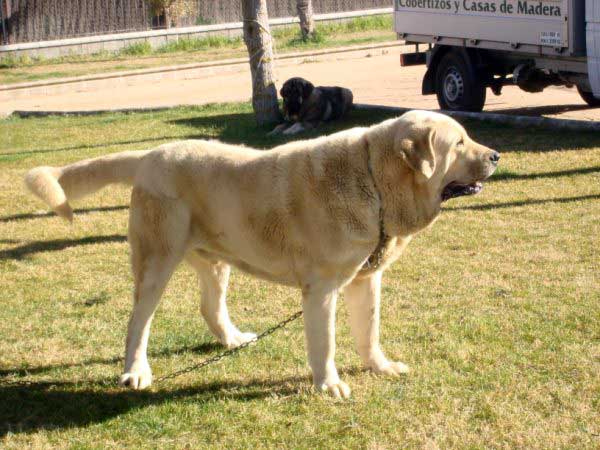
[(260, 50), (305, 14), (4, 40), (167, 17)]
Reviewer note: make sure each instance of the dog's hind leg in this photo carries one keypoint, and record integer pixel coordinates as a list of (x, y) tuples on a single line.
[(213, 279), (157, 234), (362, 298)]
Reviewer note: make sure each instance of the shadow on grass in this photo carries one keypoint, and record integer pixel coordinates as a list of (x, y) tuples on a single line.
[(506, 139), (203, 348), (523, 203), (543, 110), (62, 405), (534, 176), (241, 128), (80, 211), (59, 405), (56, 245), (234, 128)]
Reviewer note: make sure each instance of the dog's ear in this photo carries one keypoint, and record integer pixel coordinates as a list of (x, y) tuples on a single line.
[(417, 150), (307, 88), (284, 89)]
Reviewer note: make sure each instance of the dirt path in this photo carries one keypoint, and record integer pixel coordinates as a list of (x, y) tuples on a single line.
[(375, 77)]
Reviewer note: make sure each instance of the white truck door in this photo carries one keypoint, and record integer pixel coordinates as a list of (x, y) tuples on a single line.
[(592, 18)]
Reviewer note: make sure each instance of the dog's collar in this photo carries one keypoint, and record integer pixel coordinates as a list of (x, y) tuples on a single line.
[(376, 258)]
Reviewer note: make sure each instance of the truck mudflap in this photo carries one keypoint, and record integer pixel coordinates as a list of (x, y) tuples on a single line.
[(592, 13), (428, 86), (433, 58)]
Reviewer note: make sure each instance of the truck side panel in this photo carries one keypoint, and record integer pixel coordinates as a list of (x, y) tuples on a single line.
[(593, 44), (543, 23)]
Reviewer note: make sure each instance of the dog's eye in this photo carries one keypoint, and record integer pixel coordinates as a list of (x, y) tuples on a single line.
[(460, 143)]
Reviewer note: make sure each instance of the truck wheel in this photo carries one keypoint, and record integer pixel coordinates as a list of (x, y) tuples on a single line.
[(588, 97), (456, 86)]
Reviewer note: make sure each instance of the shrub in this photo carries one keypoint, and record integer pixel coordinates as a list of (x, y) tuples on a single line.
[(138, 48)]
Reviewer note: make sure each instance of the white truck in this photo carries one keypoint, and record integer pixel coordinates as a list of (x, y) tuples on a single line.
[(478, 44)]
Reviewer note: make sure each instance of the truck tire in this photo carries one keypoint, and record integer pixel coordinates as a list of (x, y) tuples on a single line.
[(588, 97), (456, 85)]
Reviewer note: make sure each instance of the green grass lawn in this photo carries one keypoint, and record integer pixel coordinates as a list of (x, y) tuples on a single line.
[(362, 30), (496, 308)]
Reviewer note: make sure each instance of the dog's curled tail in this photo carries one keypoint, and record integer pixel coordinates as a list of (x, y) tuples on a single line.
[(59, 185)]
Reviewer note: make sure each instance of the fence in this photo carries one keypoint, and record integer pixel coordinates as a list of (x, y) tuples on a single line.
[(40, 20), (43, 20)]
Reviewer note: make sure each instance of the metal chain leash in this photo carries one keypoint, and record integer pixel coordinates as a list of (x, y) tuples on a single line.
[(232, 351), (199, 365)]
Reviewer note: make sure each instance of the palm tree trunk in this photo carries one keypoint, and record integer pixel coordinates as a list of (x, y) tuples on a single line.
[(260, 50), (305, 14)]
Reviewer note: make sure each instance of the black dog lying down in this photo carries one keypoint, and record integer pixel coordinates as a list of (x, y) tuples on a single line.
[(306, 106)]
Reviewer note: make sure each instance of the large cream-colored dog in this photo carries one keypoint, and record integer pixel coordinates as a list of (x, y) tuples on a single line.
[(321, 215)]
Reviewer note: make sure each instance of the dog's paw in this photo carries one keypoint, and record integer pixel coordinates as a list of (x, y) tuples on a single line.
[(294, 129), (137, 379), (277, 130), (237, 338), (336, 390), (390, 368)]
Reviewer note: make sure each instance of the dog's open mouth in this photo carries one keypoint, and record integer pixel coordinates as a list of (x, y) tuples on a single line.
[(458, 190)]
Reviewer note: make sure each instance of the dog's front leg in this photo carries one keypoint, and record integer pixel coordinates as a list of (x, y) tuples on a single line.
[(363, 297), (319, 327), (294, 129), (278, 129)]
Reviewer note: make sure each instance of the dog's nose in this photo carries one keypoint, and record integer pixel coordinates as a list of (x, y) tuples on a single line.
[(495, 157)]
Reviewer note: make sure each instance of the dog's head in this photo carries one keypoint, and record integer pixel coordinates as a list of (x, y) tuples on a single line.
[(444, 161), (295, 92), (443, 155)]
